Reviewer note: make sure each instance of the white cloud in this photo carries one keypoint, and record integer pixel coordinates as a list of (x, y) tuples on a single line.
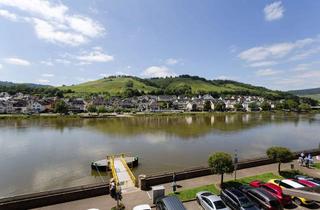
[(172, 61), (8, 15), (48, 63), (157, 71), (267, 72), (85, 26), (223, 77), (305, 75), (104, 75), (54, 22), (121, 73), (305, 54), (47, 31), (273, 11), (47, 75), (17, 61), (83, 63), (273, 51), (63, 61), (309, 74), (43, 81), (1, 66), (263, 64), (95, 56)]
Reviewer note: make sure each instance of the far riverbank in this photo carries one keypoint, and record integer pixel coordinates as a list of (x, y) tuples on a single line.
[(132, 114)]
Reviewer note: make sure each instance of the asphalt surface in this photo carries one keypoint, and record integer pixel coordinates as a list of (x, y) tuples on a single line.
[(195, 206)]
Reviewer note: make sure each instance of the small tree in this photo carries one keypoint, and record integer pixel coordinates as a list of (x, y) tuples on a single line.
[(101, 109), (129, 84), (304, 107), (221, 163), (238, 107), (220, 107), (253, 106), (291, 104), (92, 108), (60, 107), (280, 155), (265, 106), (207, 106)]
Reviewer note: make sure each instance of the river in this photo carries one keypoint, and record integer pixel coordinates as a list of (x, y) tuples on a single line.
[(45, 154)]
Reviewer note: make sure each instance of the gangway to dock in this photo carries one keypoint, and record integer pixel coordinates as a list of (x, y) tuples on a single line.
[(121, 172)]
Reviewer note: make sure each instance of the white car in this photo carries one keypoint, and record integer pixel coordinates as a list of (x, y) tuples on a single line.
[(142, 207), (209, 201)]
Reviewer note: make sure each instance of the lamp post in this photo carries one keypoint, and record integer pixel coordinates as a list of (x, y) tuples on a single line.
[(235, 162)]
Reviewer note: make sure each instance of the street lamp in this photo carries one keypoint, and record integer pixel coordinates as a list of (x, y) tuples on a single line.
[(235, 163)]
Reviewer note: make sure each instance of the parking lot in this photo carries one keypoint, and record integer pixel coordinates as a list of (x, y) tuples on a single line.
[(193, 205)]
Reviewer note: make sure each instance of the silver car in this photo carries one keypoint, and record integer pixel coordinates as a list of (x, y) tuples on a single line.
[(209, 201)]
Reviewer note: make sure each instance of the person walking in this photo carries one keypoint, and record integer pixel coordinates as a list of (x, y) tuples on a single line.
[(174, 184)]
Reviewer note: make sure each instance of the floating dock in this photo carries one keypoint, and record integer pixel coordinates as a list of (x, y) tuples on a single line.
[(104, 165)]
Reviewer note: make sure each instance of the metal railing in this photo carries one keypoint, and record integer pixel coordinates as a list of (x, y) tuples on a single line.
[(113, 170)]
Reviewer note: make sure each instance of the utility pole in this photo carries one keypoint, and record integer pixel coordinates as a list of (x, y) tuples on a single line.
[(235, 163)]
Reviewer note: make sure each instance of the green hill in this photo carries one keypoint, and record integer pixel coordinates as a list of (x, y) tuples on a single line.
[(112, 85), (313, 93), (184, 84)]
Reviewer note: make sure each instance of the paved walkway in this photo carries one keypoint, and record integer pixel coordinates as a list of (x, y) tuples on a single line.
[(140, 197)]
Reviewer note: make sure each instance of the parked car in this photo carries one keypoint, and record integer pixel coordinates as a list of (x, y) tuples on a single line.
[(307, 183), (262, 198), (209, 201), (236, 200), (314, 180), (275, 190), (142, 207), (290, 184), (169, 203)]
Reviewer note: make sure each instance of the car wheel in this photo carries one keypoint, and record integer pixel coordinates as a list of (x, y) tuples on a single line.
[(297, 201), (198, 201)]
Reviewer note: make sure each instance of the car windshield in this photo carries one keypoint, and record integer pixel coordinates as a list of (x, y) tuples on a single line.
[(206, 194), (219, 205), (245, 202)]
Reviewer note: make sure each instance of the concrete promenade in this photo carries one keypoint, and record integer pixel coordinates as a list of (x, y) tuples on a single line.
[(141, 197)]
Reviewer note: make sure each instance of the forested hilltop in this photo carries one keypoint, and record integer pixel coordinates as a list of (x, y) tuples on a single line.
[(128, 86)]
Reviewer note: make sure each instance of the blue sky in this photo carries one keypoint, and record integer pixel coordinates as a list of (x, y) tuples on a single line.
[(275, 44)]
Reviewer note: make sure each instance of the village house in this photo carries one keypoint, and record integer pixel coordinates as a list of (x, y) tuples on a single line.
[(35, 106), (20, 106), (76, 105)]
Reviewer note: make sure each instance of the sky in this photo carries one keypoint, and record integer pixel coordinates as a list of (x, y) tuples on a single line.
[(275, 44)]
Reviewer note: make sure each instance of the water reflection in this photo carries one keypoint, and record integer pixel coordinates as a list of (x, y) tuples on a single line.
[(42, 154)]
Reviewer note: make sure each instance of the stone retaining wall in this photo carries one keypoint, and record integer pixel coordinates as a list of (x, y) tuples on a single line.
[(36, 200)]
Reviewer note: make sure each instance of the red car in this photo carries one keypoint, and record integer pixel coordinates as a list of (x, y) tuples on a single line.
[(275, 190), (307, 183)]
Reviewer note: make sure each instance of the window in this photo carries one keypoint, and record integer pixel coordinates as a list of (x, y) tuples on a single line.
[(219, 205), (207, 201), (245, 202), (285, 185), (277, 181)]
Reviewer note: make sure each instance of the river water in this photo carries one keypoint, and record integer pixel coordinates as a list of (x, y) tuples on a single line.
[(46, 154)]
